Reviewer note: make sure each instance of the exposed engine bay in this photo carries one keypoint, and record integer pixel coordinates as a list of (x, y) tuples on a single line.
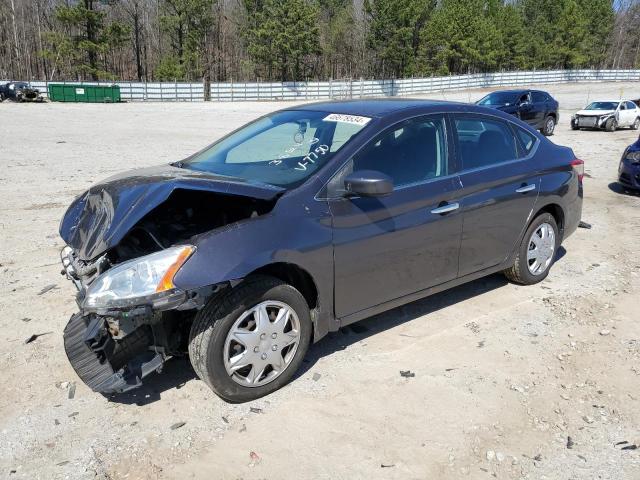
[(113, 343)]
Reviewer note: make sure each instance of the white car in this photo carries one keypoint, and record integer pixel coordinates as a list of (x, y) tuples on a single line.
[(608, 115)]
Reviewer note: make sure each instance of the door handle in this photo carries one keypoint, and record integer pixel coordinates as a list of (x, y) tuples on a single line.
[(449, 207), (526, 188)]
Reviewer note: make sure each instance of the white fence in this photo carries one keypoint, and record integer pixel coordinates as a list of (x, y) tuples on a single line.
[(340, 89)]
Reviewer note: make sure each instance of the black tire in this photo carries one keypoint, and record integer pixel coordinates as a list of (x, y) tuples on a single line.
[(636, 124), (574, 126), (519, 271), (611, 125), (549, 126), (213, 322)]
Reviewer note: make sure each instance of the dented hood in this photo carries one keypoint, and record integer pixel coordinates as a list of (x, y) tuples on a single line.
[(99, 218)]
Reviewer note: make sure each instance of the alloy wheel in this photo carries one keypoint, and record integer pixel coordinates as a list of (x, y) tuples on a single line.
[(542, 245), (261, 343), (551, 124)]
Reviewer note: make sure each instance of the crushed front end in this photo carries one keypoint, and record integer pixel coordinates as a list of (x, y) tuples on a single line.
[(113, 343)]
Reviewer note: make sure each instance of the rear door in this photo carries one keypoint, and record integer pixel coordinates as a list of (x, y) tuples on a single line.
[(499, 189), (540, 106), (389, 247)]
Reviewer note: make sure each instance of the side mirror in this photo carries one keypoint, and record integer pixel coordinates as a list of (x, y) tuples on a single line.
[(368, 183)]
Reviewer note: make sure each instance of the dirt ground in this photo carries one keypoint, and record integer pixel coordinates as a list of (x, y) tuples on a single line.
[(510, 382)]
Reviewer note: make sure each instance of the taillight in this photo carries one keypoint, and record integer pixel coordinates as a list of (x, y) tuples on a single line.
[(578, 166)]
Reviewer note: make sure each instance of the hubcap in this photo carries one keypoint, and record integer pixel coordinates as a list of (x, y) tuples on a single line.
[(542, 246), (550, 125), (261, 343)]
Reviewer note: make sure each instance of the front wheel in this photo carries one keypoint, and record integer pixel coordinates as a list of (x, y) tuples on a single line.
[(536, 252), (249, 341), (549, 126), (611, 125)]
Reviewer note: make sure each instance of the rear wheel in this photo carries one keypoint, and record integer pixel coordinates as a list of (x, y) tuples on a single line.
[(250, 341), (549, 126), (536, 252), (611, 125), (636, 124)]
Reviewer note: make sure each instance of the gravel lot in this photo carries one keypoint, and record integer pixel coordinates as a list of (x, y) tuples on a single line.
[(504, 375)]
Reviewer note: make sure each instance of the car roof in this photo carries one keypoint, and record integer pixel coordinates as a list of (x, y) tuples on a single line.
[(379, 107)]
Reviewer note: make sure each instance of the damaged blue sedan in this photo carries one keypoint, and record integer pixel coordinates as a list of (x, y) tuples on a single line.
[(299, 223)]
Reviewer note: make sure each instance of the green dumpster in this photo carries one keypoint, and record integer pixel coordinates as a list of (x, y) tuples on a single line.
[(59, 92)]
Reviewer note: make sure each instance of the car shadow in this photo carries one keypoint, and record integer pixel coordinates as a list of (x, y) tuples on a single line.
[(178, 371), (617, 187)]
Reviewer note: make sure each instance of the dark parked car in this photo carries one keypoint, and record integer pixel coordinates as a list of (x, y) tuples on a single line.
[(629, 169), (535, 107), (302, 222), (20, 92)]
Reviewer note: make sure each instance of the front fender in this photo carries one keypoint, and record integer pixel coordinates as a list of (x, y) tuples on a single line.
[(303, 238)]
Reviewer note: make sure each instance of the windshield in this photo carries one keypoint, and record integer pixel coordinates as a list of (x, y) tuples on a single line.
[(283, 148), (602, 106), (499, 98)]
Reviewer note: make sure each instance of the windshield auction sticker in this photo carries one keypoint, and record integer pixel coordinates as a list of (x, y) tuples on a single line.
[(354, 119)]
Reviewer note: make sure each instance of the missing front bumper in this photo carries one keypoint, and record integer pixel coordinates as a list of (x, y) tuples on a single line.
[(107, 366)]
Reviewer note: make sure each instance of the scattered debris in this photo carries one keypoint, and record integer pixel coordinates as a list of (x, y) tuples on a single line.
[(35, 336), (604, 332), (26, 319), (582, 458), (255, 410), (587, 419), (499, 456), (621, 443), (72, 390), (255, 458), (243, 428), (538, 457), (481, 343), (570, 443), (225, 419), (47, 288), (64, 462), (316, 377), (73, 414), (584, 225), (178, 425), (630, 447), (56, 421), (407, 373), (387, 465), (490, 455)]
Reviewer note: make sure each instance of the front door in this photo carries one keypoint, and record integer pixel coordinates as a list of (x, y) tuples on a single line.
[(389, 247), (499, 190)]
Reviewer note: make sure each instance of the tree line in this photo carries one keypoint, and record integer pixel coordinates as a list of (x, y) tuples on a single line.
[(246, 40)]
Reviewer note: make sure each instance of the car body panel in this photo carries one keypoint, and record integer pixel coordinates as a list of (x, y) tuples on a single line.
[(99, 218), (629, 168), (394, 246)]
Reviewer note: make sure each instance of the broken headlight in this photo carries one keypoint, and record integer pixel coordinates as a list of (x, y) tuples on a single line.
[(144, 280)]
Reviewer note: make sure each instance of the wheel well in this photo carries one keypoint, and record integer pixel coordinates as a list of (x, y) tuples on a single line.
[(294, 276), (554, 115), (556, 211)]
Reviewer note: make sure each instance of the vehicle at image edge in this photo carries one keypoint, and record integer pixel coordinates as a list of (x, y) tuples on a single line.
[(629, 168), (535, 107), (607, 115), (302, 222), (19, 92)]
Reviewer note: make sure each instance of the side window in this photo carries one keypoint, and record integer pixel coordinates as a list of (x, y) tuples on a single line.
[(484, 142), (410, 152), (631, 105), (538, 97), (527, 140)]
